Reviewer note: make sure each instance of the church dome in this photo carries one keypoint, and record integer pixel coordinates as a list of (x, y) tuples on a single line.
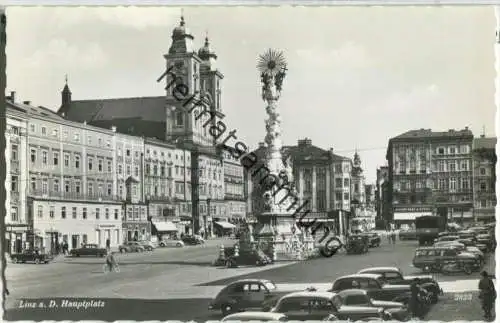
[(205, 52), (180, 31)]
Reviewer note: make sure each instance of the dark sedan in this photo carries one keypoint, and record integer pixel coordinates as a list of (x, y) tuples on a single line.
[(88, 250), (191, 240), (30, 256)]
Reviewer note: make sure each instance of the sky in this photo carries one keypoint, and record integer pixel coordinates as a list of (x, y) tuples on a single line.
[(357, 76)]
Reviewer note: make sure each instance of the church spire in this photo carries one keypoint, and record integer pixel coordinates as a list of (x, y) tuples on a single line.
[(66, 93), (182, 40), (206, 53)]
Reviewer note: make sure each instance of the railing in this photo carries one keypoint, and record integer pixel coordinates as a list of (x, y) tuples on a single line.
[(73, 196)]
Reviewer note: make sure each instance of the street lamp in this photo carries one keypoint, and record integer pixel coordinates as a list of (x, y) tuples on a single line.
[(209, 200)]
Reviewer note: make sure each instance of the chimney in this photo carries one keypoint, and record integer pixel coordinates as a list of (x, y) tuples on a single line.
[(331, 150), (27, 102), (466, 128), (13, 96), (113, 128), (262, 145)]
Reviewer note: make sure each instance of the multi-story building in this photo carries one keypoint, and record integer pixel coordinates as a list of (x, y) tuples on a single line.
[(484, 162), (234, 187), (382, 202), (430, 173), (18, 228), (70, 181), (160, 186), (370, 195)]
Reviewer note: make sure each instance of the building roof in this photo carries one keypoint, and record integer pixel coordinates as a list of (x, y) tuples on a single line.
[(135, 126), (428, 134), (32, 110), (484, 143), (147, 108)]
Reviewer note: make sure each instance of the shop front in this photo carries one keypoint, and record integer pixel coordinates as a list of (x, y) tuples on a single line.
[(16, 238), (223, 228), (163, 229), (136, 231)]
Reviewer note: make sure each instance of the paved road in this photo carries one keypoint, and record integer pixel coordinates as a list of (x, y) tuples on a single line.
[(174, 284)]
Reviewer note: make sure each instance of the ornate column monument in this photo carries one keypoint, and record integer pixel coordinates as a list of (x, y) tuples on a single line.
[(276, 231)]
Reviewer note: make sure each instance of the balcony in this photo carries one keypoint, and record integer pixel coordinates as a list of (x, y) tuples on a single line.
[(14, 166), (15, 139), (74, 196)]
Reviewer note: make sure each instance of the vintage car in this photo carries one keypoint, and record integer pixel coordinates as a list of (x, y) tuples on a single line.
[(375, 285), (255, 316), (246, 294), (88, 249), (373, 239), (192, 240), (171, 243), (31, 256), (148, 245), (357, 243), (359, 297), (394, 276), (131, 246), (407, 234), (246, 257), (447, 238), (306, 305), (433, 258), (486, 239)]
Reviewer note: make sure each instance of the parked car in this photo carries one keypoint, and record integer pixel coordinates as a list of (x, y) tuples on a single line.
[(31, 256), (191, 240), (357, 243), (306, 305), (245, 294), (359, 297), (148, 245), (408, 234), (131, 246), (447, 238), (373, 239), (394, 276), (375, 285), (486, 239), (433, 258), (88, 249), (252, 257), (255, 316), (171, 243)]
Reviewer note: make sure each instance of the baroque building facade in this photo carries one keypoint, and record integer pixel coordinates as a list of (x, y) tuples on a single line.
[(484, 163), (430, 173)]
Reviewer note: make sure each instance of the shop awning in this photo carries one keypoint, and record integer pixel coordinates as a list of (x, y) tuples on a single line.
[(226, 225), (165, 226), (409, 216)]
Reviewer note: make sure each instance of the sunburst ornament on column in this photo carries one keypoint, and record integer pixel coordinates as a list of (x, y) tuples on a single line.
[(272, 67)]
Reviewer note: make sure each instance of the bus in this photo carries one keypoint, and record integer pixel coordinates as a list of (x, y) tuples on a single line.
[(428, 228)]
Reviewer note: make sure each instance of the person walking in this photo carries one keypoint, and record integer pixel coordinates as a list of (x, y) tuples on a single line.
[(414, 304), (111, 261), (487, 294)]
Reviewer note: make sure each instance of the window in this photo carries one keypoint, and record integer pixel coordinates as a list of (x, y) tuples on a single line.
[(14, 186), (52, 212), (128, 152), (56, 185), (452, 166), (33, 155), (106, 212), (110, 167), (453, 184), (90, 188), (84, 213), (162, 171), (65, 134), (464, 149), (99, 165), (77, 137), (108, 143), (346, 182), (89, 140), (32, 128), (99, 141), (483, 203), (116, 214), (14, 215), (482, 171), (66, 186), (77, 187), (40, 211), (55, 133), (14, 151), (346, 196), (44, 131), (97, 213), (120, 169), (441, 165), (110, 189), (91, 162), (45, 186), (44, 157), (464, 165), (66, 160), (442, 184), (465, 183), (63, 212), (73, 213), (56, 158), (440, 151), (77, 161), (128, 170), (179, 118), (482, 187), (33, 183)]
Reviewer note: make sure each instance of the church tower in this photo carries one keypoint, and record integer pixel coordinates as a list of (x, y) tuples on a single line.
[(358, 181), (65, 99), (189, 121)]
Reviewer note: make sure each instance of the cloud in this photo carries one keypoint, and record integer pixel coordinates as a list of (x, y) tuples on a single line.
[(417, 99), (62, 54)]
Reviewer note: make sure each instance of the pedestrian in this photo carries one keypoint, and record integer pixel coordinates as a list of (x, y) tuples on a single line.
[(393, 236), (111, 261), (108, 245), (65, 248), (414, 304), (487, 294)]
